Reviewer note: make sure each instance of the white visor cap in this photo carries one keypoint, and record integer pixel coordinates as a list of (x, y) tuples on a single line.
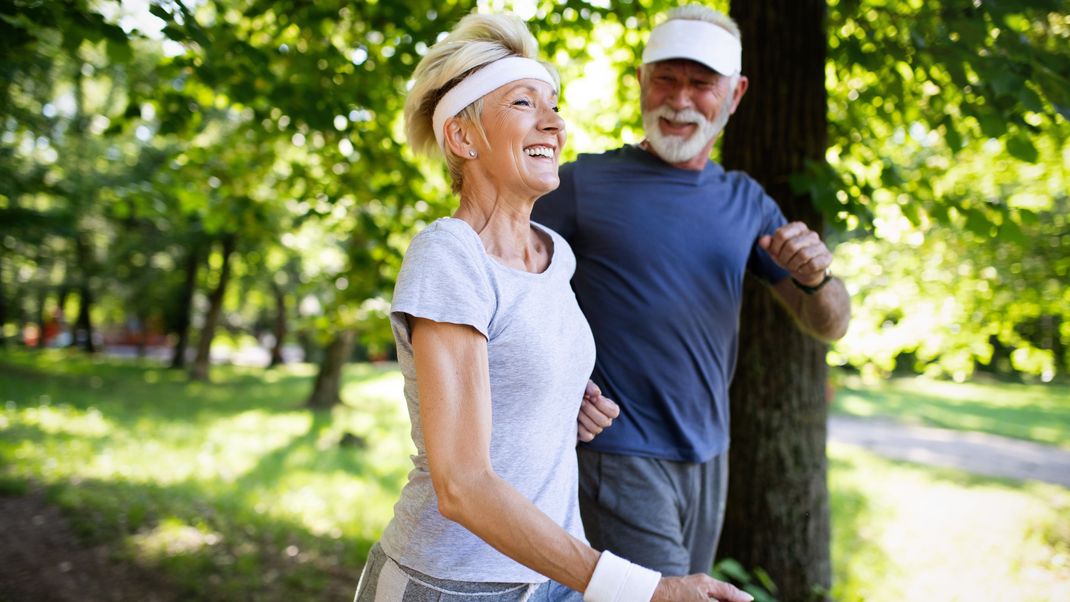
[(699, 41), (483, 81)]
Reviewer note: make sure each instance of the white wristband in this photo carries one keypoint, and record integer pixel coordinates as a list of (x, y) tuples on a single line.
[(617, 580)]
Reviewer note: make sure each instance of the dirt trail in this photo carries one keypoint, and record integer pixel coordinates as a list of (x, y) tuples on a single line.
[(979, 453), (41, 560)]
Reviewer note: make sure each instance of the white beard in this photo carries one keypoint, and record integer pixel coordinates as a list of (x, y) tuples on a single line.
[(677, 149)]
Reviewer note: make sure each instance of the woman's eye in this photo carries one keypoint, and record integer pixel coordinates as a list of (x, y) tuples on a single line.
[(557, 109), (522, 102)]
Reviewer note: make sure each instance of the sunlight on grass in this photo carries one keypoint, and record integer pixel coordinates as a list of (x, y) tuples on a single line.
[(172, 537), (232, 447), (1038, 413), (944, 533), (63, 420), (233, 478), (330, 504), (235, 490), (385, 387)]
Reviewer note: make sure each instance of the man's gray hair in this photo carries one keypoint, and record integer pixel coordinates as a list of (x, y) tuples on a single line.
[(698, 12)]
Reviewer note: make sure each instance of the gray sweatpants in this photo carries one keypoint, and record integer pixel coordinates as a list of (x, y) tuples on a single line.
[(661, 514), (383, 580)]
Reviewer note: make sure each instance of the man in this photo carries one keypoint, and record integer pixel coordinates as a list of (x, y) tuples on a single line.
[(663, 237)]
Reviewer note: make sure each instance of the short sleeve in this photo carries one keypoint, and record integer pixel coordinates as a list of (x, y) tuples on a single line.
[(557, 209), (771, 218), (443, 279)]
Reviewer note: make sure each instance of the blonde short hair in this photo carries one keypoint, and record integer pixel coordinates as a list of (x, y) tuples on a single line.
[(476, 41)]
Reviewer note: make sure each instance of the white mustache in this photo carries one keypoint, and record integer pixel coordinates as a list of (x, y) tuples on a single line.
[(681, 116)]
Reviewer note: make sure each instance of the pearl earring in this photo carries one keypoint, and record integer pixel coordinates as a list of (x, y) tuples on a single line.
[(472, 153)]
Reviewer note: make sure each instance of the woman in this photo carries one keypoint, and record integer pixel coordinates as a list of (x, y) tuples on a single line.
[(495, 352)]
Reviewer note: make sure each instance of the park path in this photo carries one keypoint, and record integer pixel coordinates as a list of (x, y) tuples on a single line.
[(978, 453)]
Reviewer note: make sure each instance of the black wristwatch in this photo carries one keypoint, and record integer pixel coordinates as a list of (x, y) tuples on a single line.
[(810, 290)]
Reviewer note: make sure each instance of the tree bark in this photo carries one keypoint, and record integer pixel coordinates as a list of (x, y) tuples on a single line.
[(199, 370), (83, 326), (326, 392), (142, 334), (185, 306), (280, 325), (4, 317), (61, 299), (39, 315), (778, 513)]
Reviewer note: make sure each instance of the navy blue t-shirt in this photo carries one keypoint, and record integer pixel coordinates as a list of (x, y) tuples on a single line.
[(661, 253)]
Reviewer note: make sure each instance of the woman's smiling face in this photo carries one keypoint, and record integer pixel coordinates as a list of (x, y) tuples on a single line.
[(525, 135)]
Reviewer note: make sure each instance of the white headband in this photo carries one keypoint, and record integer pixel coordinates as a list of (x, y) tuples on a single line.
[(487, 79), (700, 41)]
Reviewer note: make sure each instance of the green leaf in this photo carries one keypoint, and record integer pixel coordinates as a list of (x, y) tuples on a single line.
[(1012, 232), (1003, 80), (1029, 99), (993, 125), (1021, 147), (119, 52), (765, 580), (912, 212), (733, 570), (904, 71), (951, 135), (977, 222), (160, 12)]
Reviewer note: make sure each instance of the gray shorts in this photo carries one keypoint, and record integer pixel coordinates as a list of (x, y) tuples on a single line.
[(661, 514), (384, 580)]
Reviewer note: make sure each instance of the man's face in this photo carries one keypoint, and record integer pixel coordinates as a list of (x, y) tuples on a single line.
[(685, 106)]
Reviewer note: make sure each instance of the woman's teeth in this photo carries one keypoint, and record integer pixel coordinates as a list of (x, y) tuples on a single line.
[(539, 151)]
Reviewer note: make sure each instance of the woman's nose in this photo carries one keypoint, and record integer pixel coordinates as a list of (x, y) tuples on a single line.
[(552, 121)]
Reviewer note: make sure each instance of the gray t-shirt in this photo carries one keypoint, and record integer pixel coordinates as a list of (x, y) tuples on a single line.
[(541, 353)]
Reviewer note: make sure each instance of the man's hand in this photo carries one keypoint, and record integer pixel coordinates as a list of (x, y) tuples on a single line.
[(596, 413), (799, 250), (697, 587)]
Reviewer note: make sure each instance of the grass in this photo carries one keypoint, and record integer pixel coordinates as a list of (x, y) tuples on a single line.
[(1038, 413), (234, 490), (903, 531)]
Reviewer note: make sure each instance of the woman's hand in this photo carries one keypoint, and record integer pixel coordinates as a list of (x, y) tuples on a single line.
[(596, 413), (699, 588)]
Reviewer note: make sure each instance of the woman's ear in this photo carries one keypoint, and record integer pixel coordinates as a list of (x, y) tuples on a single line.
[(457, 138)]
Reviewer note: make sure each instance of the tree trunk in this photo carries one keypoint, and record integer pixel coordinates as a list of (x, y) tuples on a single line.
[(61, 299), (327, 390), (280, 325), (185, 306), (83, 326), (39, 315), (778, 513), (4, 312), (142, 334), (199, 371)]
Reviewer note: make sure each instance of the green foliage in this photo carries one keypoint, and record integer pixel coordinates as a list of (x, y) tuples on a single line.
[(948, 146), (756, 583), (279, 123)]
